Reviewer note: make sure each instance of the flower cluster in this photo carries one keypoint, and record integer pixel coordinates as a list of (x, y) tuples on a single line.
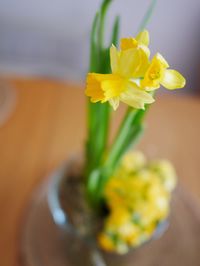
[(138, 198), (133, 76)]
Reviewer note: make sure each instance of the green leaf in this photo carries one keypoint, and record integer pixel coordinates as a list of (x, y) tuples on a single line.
[(115, 31), (92, 185), (93, 41), (98, 114)]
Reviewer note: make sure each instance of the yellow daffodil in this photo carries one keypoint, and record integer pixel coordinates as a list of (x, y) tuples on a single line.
[(133, 161), (128, 64), (113, 88), (133, 75), (157, 74), (106, 242)]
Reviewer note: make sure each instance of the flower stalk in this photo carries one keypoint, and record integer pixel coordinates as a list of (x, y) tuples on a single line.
[(98, 114)]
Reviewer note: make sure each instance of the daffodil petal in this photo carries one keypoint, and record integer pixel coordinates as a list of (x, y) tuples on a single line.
[(144, 62), (129, 61), (172, 79), (114, 102), (143, 37), (152, 88), (128, 43), (145, 49), (136, 97), (93, 87), (114, 59), (158, 57), (133, 63)]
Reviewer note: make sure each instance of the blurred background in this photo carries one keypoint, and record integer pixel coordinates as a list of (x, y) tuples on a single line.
[(51, 38)]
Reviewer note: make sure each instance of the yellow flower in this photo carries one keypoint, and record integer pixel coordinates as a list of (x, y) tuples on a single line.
[(134, 237), (132, 60), (148, 231), (167, 173), (113, 88), (129, 63), (119, 232), (133, 76), (157, 74), (141, 40), (106, 242), (133, 161), (158, 201), (127, 66), (118, 218), (138, 200)]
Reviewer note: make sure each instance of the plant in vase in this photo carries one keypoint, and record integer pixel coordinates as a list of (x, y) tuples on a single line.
[(129, 194), (117, 200)]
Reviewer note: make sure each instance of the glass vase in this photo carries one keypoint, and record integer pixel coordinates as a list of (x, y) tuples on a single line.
[(60, 230)]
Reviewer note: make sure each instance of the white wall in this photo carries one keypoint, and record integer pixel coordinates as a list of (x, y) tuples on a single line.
[(50, 37)]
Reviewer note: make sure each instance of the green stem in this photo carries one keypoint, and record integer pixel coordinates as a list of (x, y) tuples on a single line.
[(98, 114), (119, 140), (115, 32), (100, 176), (126, 135), (129, 139), (102, 116), (103, 10), (93, 40), (92, 68), (92, 108)]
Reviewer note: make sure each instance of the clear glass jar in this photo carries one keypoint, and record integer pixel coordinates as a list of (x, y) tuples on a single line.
[(75, 219), (49, 237)]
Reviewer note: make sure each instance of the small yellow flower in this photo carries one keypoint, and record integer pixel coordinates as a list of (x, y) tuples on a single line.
[(106, 242), (132, 60), (157, 74), (166, 172), (113, 88), (133, 161), (138, 200), (103, 87), (134, 236), (148, 231), (118, 218), (133, 76), (127, 66)]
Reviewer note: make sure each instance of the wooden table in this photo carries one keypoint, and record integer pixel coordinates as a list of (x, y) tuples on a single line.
[(49, 124)]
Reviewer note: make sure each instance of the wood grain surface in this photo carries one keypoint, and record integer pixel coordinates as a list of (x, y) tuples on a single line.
[(48, 125)]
